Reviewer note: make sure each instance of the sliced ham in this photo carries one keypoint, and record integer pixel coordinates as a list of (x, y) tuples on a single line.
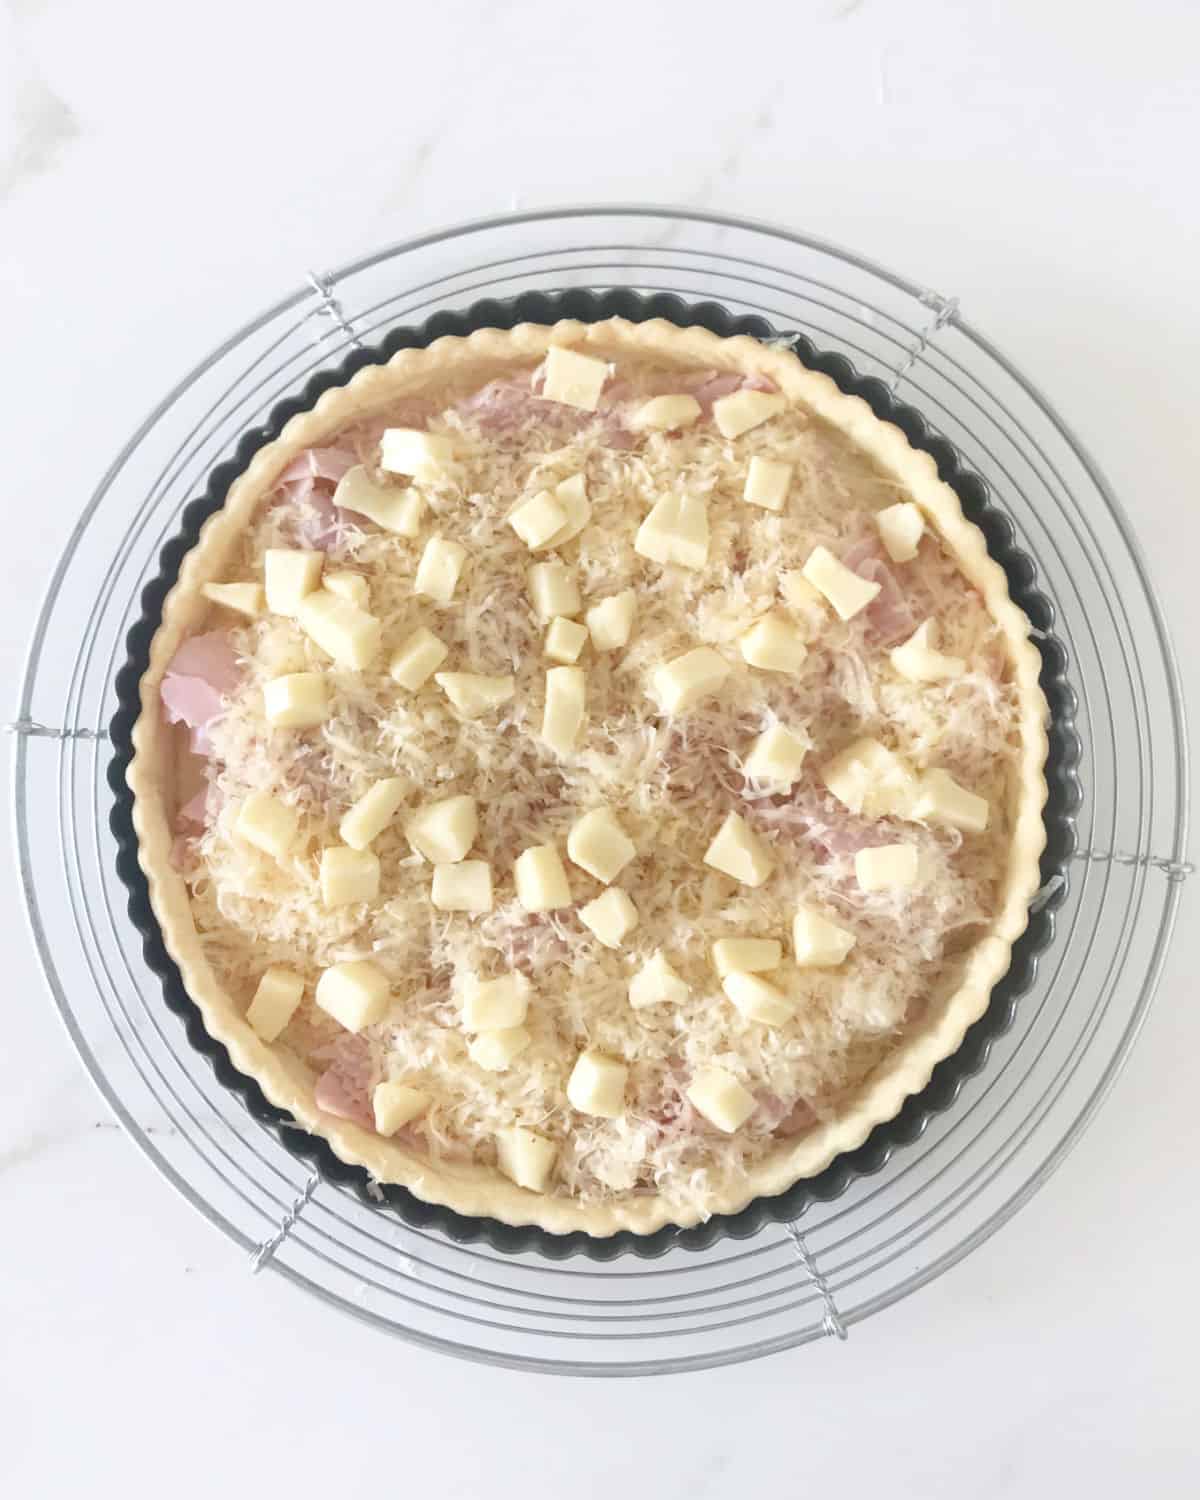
[(711, 385), (209, 656), (509, 404), (888, 614), (202, 673), (318, 463), (797, 1120), (194, 810), (345, 1087)]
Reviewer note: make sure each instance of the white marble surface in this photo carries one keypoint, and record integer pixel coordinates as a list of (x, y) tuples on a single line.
[(165, 171)]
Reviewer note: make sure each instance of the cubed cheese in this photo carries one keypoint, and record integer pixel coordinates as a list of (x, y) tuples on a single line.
[(439, 570), (495, 1050), (611, 917), (656, 983), (571, 498), (288, 576), (889, 865), (537, 519), (422, 455), (352, 586), (419, 657), (495, 1004), (355, 994), (394, 509), (243, 598), (565, 639), (349, 634), (758, 1000), (845, 590), (474, 695), (767, 483), (917, 660), (297, 701), (373, 811), (525, 1157), (940, 799), (666, 413), (268, 824), (900, 529), (611, 621), (773, 644), (396, 1105), (746, 955), (466, 886), (777, 756), (275, 1002), (800, 596), (695, 675), (598, 844), (574, 379), (738, 852), (675, 531), (566, 702), (597, 1085), (541, 880), (721, 1099), (817, 942), (444, 831), (869, 778), (348, 876), (743, 410), (553, 590)]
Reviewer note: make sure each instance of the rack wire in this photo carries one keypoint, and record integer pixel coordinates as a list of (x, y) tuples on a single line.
[(887, 1235)]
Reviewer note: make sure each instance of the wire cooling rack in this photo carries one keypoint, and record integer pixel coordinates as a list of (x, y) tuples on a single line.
[(887, 1235)]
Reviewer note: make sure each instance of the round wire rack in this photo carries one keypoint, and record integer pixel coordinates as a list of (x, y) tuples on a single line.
[(888, 1234)]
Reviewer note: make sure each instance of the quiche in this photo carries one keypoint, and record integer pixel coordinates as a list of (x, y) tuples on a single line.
[(590, 774)]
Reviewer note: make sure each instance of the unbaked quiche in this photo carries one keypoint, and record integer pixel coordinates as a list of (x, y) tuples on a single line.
[(590, 774)]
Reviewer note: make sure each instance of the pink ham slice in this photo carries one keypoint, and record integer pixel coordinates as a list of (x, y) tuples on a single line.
[(506, 405), (202, 672), (711, 385), (194, 809), (319, 463), (345, 1087), (888, 614)]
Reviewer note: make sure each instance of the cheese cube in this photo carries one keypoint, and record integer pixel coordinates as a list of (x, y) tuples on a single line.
[(243, 598), (495, 1004), (288, 575), (656, 983), (495, 1050), (439, 570), (348, 876), (940, 799), (574, 379), (746, 955), (396, 510), (757, 1000), (845, 590), (352, 586), (396, 1105), (422, 455), (373, 811), (268, 824), (738, 852), (869, 778), (900, 529), (297, 701), (817, 942), (888, 865), (767, 483), (611, 621), (566, 701), (355, 994), (553, 590), (721, 1099), (466, 886), (919, 662), (597, 1085), (565, 639), (666, 414), (444, 831), (474, 695), (525, 1157), (349, 634), (571, 498), (743, 410), (419, 656), (777, 756), (611, 917), (675, 531), (541, 880), (689, 678), (275, 1002), (537, 519), (799, 595), (773, 644), (598, 844)]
